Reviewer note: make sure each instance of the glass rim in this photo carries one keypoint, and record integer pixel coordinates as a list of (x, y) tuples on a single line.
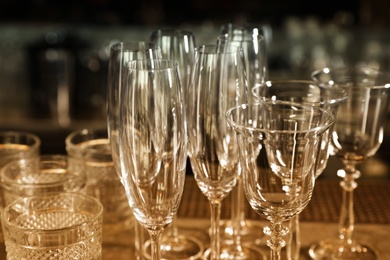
[(16, 134), (163, 64), (329, 122), (364, 70), (25, 200), (337, 97), (87, 132), (8, 183), (97, 137)]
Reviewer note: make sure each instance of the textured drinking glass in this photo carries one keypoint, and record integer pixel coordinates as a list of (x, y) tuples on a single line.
[(153, 144), (178, 45), (17, 145), (218, 82), (58, 226), (241, 236), (356, 136), (278, 146), (47, 174), (89, 151), (308, 93), (120, 54)]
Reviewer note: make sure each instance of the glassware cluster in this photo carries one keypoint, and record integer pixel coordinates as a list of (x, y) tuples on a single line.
[(176, 107), (246, 134)]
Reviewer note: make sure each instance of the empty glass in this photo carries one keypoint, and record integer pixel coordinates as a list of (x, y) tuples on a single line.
[(153, 144), (217, 82), (89, 151), (17, 145), (279, 143), (356, 136), (47, 174), (120, 54), (308, 93), (178, 45), (242, 236), (58, 226)]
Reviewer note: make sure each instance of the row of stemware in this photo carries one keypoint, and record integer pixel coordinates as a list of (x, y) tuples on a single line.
[(161, 111)]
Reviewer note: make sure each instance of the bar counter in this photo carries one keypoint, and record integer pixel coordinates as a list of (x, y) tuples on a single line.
[(318, 221)]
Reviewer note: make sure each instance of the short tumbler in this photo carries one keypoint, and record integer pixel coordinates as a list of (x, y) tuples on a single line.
[(89, 150), (48, 174), (59, 226)]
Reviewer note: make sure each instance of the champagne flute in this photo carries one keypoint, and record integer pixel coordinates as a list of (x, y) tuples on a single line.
[(308, 93), (238, 230), (152, 144), (357, 135), (278, 145), (120, 54), (217, 82), (178, 45)]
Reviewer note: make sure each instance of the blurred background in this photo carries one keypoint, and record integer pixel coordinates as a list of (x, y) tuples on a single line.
[(64, 45)]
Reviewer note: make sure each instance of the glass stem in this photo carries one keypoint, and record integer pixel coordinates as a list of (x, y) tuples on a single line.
[(347, 218), (214, 236), (172, 231), (139, 241), (236, 210), (276, 231), (293, 246), (155, 239)]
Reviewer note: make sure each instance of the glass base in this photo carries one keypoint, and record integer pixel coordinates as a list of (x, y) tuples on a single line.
[(250, 232), (180, 247), (245, 252), (334, 249)]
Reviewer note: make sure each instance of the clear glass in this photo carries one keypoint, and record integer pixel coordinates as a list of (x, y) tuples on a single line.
[(218, 82), (120, 54), (45, 175), (279, 144), (356, 136), (308, 93), (60, 226), (152, 144), (178, 45), (241, 237), (17, 145), (89, 151)]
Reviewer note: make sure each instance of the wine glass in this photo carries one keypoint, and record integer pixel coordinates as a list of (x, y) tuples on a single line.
[(308, 93), (120, 54), (217, 82), (238, 230), (357, 135), (152, 144), (278, 146), (178, 45)]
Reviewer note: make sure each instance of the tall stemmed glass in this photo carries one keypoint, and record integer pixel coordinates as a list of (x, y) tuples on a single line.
[(178, 45), (278, 146), (217, 83), (120, 54), (153, 139), (357, 135), (308, 93), (238, 229)]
